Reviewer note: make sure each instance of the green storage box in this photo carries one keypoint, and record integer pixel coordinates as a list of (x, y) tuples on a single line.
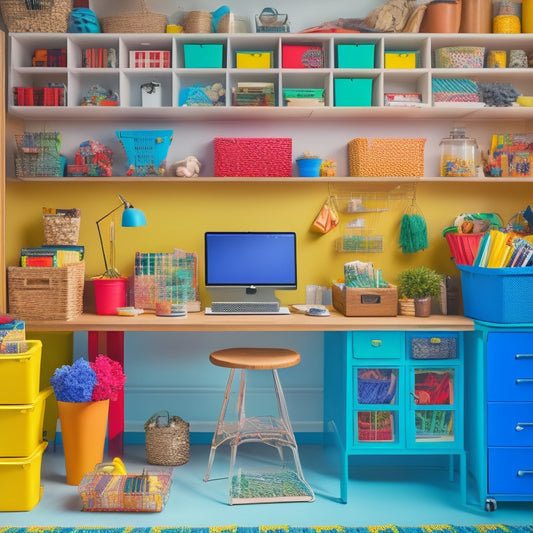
[(353, 92), (203, 55), (355, 55)]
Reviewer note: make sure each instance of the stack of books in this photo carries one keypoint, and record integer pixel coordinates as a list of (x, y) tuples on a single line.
[(254, 93), (99, 58), (303, 97), (53, 95), (51, 256), (49, 57)]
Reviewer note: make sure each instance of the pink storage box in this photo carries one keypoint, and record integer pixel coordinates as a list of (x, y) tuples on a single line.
[(253, 156)]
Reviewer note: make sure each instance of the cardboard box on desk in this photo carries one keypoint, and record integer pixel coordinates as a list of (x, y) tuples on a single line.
[(351, 301)]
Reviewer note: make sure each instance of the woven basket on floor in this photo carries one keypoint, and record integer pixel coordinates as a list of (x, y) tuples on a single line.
[(167, 439), (51, 17), (142, 21)]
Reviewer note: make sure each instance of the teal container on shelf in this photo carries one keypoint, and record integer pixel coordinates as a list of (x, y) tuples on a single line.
[(309, 167), (355, 55), (203, 55), (353, 92)]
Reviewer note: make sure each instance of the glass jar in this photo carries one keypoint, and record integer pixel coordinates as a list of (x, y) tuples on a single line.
[(459, 155)]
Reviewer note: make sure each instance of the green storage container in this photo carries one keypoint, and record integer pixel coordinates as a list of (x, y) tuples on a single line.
[(355, 55), (203, 55), (353, 92)]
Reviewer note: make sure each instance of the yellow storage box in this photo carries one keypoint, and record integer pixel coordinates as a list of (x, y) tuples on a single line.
[(20, 369), (402, 59), (21, 426), (258, 59), (20, 481)]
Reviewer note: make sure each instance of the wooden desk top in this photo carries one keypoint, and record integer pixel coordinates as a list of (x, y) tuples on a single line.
[(293, 322)]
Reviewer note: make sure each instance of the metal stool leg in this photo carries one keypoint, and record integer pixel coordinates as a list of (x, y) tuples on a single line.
[(218, 436)]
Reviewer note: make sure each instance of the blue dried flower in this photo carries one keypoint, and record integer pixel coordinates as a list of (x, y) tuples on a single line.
[(74, 383)]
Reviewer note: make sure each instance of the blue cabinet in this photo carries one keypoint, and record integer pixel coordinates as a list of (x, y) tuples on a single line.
[(394, 392)]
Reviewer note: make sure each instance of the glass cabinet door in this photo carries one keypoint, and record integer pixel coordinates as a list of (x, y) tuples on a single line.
[(432, 392), (376, 405)]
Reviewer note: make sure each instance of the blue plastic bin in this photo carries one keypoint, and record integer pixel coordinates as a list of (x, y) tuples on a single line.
[(309, 167), (501, 295)]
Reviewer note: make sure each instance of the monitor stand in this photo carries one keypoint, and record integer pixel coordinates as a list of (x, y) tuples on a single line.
[(244, 301)]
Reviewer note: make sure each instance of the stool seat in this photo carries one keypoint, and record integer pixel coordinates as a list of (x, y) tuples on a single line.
[(255, 358)]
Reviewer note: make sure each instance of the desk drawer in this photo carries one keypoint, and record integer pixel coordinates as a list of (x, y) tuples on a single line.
[(510, 424), (510, 367), (378, 344), (510, 471)]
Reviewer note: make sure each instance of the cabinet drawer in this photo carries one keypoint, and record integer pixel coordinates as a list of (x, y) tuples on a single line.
[(510, 367), (510, 471), (510, 424), (432, 345), (378, 344)]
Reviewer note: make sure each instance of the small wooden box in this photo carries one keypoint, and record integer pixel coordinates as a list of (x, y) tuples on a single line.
[(365, 301)]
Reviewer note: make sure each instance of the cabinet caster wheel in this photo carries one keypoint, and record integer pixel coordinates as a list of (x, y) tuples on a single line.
[(490, 505)]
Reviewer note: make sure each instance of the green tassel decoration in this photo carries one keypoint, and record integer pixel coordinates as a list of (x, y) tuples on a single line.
[(413, 234)]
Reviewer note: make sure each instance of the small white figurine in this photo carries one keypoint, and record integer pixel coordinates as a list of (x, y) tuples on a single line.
[(188, 167)]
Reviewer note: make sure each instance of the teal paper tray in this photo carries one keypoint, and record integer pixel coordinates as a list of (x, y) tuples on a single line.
[(146, 151)]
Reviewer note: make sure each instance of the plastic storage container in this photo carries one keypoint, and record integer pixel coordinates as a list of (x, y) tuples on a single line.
[(21, 426), (20, 368), (459, 155), (20, 481)]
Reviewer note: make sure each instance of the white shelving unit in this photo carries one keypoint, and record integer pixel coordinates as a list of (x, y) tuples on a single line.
[(127, 81)]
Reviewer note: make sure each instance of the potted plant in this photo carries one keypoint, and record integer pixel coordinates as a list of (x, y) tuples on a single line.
[(419, 284), (83, 391)]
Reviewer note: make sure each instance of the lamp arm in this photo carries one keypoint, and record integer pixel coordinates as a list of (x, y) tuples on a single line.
[(100, 233)]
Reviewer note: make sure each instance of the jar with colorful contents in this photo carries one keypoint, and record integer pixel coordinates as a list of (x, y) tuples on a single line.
[(459, 155), (506, 17)]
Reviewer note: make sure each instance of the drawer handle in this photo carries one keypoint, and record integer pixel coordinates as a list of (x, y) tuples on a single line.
[(376, 343), (524, 356), (522, 473), (520, 426), (522, 381)]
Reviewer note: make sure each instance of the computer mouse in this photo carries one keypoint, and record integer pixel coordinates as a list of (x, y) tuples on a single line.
[(317, 311)]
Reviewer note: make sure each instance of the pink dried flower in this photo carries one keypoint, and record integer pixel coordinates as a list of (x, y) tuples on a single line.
[(110, 378)]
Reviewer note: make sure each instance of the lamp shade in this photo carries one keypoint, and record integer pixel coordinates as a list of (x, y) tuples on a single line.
[(132, 218)]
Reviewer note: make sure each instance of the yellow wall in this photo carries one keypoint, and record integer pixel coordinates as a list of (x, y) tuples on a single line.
[(179, 213)]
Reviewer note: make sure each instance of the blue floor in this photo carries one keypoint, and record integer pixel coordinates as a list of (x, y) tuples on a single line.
[(401, 495)]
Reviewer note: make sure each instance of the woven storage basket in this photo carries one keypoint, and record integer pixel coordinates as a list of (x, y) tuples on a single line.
[(386, 157), (434, 348), (61, 230), (46, 293), (167, 439), (52, 17), (142, 21), (197, 22), (261, 156)]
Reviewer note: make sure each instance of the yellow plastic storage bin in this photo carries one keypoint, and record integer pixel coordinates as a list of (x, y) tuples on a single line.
[(402, 59), (20, 481), (255, 59), (21, 426), (20, 369)]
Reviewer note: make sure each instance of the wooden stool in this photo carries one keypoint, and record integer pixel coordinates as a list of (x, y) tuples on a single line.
[(271, 430)]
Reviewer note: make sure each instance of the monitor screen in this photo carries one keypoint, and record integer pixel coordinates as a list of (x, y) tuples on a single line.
[(263, 259)]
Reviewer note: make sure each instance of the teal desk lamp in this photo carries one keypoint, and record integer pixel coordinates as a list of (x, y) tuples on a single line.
[(131, 218)]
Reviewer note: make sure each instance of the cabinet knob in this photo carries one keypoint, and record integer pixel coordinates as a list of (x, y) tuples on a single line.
[(522, 473), (524, 356), (520, 426)]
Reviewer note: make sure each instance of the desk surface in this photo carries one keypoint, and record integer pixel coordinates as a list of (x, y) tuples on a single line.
[(293, 322)]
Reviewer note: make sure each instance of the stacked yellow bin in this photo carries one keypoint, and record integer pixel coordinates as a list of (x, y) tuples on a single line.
[(22, 407)]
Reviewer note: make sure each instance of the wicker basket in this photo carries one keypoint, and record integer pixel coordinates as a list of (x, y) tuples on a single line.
[(50, 17), (61, 230), (386, 157), (46, 293), (197, 22), (142, 21), (38, 154), (167, 439)]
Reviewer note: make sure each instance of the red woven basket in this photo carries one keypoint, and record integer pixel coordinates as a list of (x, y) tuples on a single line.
[(253, 156)]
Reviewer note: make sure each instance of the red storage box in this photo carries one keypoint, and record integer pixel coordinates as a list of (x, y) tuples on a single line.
[(253, 156), (302, 56)]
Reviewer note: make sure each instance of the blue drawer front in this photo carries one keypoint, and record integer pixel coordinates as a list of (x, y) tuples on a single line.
[(510, 471), (510, 424), (510, 367), (378, 344)]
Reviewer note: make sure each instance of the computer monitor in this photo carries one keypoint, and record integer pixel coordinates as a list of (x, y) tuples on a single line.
[(249, 266)]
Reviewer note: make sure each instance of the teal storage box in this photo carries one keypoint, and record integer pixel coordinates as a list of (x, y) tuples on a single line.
[(353, 92), (356, 55), (501, 295), (203, 55)]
